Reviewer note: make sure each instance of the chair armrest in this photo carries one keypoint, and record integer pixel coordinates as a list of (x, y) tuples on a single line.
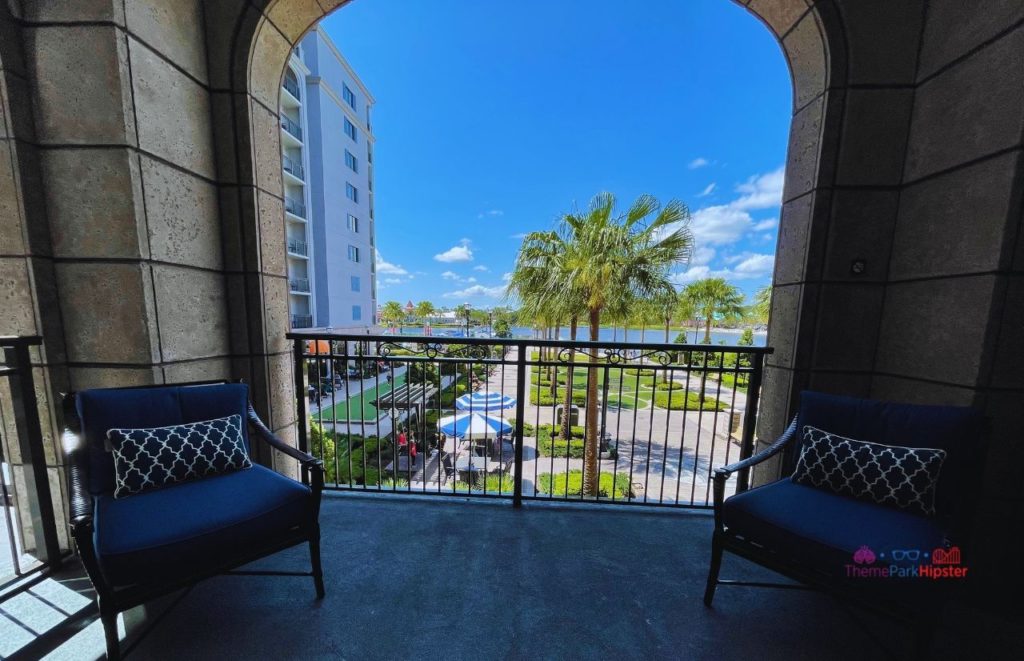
[(80, 501), (306, 460), (723, 473), (767, 453)]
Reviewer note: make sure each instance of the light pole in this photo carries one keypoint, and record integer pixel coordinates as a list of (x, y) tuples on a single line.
[(465, 310)]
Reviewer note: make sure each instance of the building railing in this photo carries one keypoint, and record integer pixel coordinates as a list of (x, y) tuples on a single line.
[(647, 423), (297, 247), (299, 285), (294, 207), (292, 87), (293, 167), (30, 541), (302, 321), (291, 127)]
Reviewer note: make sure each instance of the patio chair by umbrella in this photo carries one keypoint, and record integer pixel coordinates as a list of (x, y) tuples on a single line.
[(473, 425), (484, 401)]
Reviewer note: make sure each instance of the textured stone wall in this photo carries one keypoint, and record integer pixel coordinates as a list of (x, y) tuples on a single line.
[(907, 161), (141, 227)]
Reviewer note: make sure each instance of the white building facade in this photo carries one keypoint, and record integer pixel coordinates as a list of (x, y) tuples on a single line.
[(327, 158)]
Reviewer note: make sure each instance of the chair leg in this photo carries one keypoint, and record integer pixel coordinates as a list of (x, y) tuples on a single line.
[(314, 556), (716, 565), (109, 620)]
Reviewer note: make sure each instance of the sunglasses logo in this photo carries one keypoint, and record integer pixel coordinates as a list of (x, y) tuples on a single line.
[(908, 554)]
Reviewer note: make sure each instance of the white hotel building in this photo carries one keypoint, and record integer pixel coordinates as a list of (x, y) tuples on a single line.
[(327, 158)]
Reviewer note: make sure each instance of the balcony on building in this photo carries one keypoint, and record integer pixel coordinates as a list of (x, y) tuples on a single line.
[(302, 321), (293, 168), (291, 130), (295, 207), (298, 248)]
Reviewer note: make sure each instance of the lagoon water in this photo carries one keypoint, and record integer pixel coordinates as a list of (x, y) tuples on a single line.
[(652, 335)]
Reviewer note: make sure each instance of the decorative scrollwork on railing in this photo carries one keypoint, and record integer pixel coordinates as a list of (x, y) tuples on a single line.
[(438, 350), (620, 356)]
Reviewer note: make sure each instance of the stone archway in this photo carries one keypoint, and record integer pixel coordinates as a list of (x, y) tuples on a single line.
[(260, 46)]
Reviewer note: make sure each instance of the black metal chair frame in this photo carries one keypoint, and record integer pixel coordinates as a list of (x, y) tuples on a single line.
[(113, 600), (923, 624)]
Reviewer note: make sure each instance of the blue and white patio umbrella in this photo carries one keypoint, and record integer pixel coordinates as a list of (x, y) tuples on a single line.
[(474, 425), (484, 401)]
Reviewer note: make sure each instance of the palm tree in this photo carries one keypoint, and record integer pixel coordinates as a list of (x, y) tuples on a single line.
[(393, 314), (711, 298), (424, 311), (608, 254), (762, 307)]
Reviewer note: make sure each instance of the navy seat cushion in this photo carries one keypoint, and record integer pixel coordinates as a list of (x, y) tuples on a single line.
[(185, 528), (133, 408), (954, 429), (822, 530)]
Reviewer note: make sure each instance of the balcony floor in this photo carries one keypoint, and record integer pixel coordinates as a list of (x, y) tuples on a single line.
[(418, 578)]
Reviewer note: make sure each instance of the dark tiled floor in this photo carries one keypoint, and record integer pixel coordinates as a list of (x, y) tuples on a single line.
[(409, 578)]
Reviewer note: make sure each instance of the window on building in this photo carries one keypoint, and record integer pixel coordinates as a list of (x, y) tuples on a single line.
[(350, 130), (349, 97), (353, 253), (357, 312), (351, 192), (355, 283), (351, 161), (353, 223)]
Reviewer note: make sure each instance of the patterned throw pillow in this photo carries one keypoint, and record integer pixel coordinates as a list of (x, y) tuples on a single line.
[(147, 459), (903, 478)]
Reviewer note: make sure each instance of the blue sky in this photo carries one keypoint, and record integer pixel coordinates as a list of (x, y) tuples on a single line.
[(493, 118)]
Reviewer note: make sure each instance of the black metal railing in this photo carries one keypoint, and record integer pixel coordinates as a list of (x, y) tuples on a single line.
[(378, 410), (293, 167), (299, 285), (289, 125), (29, 540), (302, 321), (294, 207)]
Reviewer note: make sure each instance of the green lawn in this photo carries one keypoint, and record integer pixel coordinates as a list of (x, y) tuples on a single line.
[(359, 405)]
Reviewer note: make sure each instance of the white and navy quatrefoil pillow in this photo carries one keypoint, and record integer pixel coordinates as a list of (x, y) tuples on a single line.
[(903, 478), (151, 458)]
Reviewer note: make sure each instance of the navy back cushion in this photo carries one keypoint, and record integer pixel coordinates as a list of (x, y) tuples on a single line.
[(955, 429), (107, 408)]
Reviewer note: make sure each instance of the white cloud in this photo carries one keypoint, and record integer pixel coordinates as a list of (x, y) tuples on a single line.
[(518, 235), (707, 190), (448, 275), (747, 266), (393, 281), (765, 225), (702, 255), (387, 268), (492, 213), (481, 268), (459, 253), (720, 224), (477, 291), (762, 191), (755, 266), (505, 277), (469, 279), (698, 162)]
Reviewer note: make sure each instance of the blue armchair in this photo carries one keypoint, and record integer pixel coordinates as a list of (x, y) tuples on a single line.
[(146, 545), (813, 535)]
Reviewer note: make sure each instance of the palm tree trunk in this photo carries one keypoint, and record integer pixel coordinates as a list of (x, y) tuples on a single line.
[(664, 373), (643, 331), (554, 356), (591, 480), (567, 402), (707, 331)]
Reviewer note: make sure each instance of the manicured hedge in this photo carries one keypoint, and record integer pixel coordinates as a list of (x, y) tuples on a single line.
[(575, 488), (682, 400)]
